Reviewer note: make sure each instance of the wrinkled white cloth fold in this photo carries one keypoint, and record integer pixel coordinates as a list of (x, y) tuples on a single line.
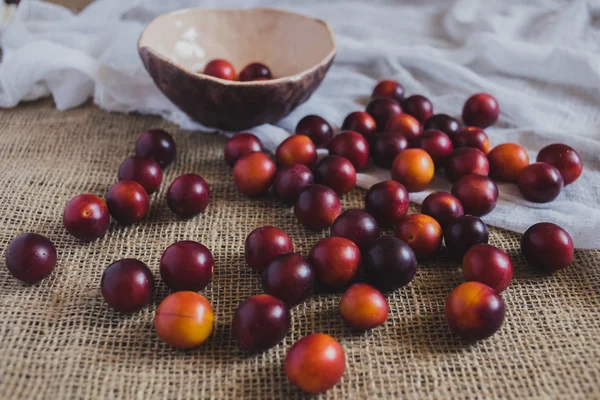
[(540, 59)]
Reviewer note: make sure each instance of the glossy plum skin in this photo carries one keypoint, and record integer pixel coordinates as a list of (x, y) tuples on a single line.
[(382, 109), (336, 172), (30, 257), (290, 181), (386, 146), (506, 161), (264, 244), (254, 71), (143, 170), (387, 202), (437, 144), (184, 320), (290, 278), (489, 265), (547, 247), (253, 174), (419, 107), (336, 261), (351, 145), (414, 168), (187, 265), (389, 263), (564, 158), (540, 182), (220, 69), (481, 110), (316, 128), (315, 363), (465, 161), (128, 202), (462, 233), (477, 194), (317, 207), (361, 122), (422, 233), (471, 136), (260, 322), (443, 207), (127, 285), (474, 311), (86, 217), (363, 307), (407, 126), (296, 149), (442, 122), (188, 195), (388, 88), (358, 226), (157, 144), (241, 145)]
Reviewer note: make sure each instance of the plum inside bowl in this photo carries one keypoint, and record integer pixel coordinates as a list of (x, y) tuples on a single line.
[(176, 46)]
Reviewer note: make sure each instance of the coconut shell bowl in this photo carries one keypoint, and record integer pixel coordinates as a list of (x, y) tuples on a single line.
[(176, 47)]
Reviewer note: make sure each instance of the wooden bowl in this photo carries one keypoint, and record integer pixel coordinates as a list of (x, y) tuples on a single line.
[(298, 49)]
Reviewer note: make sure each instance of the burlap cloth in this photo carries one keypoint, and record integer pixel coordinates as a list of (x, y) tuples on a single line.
[(58, 339)]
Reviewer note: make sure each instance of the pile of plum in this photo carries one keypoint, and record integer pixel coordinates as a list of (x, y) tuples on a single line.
[(398, 133)]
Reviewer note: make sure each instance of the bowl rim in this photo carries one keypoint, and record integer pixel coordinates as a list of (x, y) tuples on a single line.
[(288, 78)]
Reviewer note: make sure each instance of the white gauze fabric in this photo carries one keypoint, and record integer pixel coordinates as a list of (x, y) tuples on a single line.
[(540, 59)]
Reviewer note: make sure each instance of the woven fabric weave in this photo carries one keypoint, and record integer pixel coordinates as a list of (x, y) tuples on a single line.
[(59, 340)]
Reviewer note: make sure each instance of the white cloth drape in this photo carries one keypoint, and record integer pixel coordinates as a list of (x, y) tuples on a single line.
[(540, 59)]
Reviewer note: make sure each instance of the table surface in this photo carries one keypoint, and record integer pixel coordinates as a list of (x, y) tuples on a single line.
[(58, 339)]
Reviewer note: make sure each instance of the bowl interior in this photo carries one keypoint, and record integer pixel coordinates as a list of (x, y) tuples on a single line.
[(286, 42)]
